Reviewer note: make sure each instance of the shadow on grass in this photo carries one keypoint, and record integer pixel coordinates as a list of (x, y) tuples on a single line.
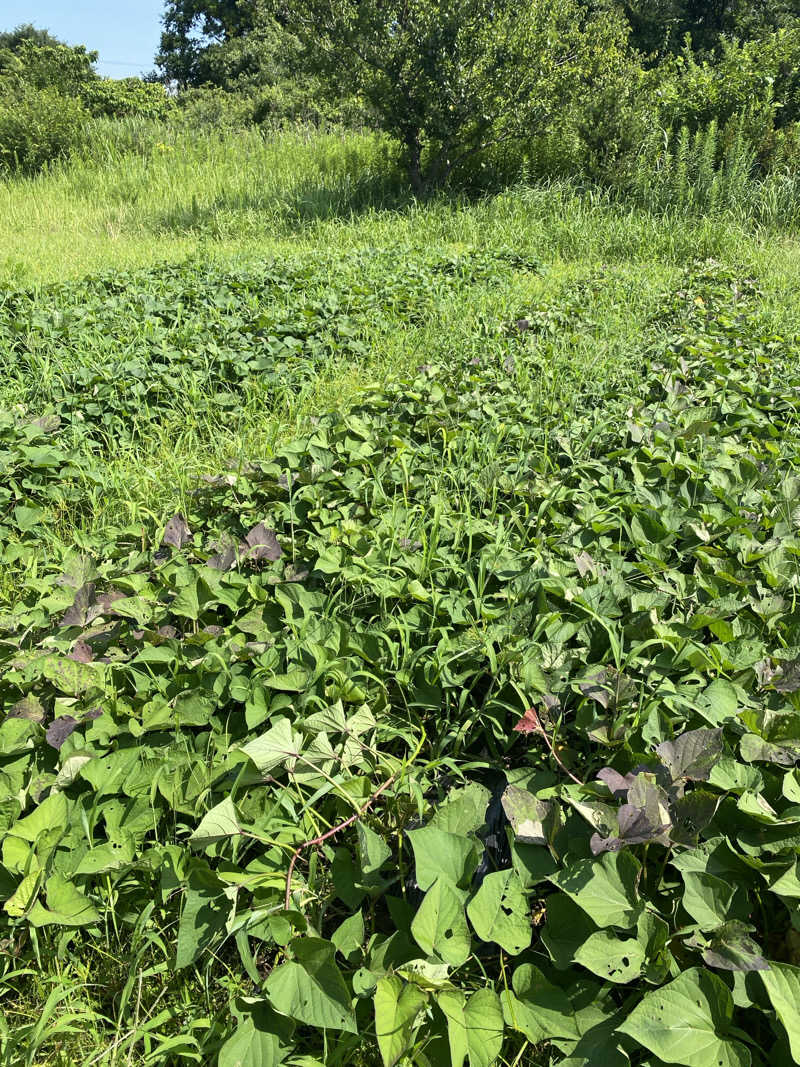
[(294, 208)]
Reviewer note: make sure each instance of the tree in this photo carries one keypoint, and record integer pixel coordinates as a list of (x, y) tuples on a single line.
[(660, 26), (206, 42), (12, 40), (452, 78), (62, 67)]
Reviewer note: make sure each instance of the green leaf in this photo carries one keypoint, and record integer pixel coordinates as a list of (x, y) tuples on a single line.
[(17, 736), (537, 1007), (218, 824), (707, 899), (499, 912), (653, 934), (605, 888), (27, 518), (464, 811), (686, 1022), (474, 1027), (788, 884), (110, 856), (599, 1044), (66, 906), (440, 926), (279, 745), (719, 702), (23, 896), (373, 851), (782, 983), (452, 1004), (348, 937), (437, 853), (397, 1005), (206, 909), (311, 988), (52, 813), (262, 1039), (611, 958), (567, 927), (292, 682), (533, 863), (187, 602)]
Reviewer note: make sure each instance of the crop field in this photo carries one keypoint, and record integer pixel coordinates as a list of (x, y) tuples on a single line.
[(399, 626)]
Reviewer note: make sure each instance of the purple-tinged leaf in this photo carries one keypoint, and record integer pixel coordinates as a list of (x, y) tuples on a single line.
[(95, 713), (224, 560), (78, 570), (529, 816), (59, 730), (78, 614), (48, 423), (596, 687), (551, 703), (789, 679), (81, 652), (730, 948), (755, 749), (619, 784), (599, 844), (692, 755), (635, 828), (219, 479), (765, 672), (529, 723), (176, 532), (691, 814), (28, 708), (646, 795), (261, 543), (103, 605)]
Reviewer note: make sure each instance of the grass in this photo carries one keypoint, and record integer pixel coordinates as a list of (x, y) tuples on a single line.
[(254, 293)]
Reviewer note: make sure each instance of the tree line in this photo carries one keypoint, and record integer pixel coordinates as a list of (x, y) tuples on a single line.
[(472, 92)]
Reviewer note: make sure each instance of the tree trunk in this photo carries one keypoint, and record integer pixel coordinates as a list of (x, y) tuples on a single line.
[(414, 164)]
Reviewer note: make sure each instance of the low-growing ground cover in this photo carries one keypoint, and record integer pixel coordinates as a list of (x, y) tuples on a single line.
[(398, 644)]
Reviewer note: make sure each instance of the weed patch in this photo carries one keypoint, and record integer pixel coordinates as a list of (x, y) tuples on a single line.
[(464, 725)]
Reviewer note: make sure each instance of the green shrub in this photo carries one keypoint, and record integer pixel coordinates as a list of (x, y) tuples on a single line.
[(48, 66), (214, 108), (127, 97), (38, 126)]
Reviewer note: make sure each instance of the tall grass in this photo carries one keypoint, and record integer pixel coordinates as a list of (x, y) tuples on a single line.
[(142, 192), (714, 172)]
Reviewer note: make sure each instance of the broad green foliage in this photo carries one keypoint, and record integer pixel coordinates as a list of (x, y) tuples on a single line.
[(504, 707), (452, 78)]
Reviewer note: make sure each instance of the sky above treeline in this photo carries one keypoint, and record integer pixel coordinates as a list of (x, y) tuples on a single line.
[(125, 32)]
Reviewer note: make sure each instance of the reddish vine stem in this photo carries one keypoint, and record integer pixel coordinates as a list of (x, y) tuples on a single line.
[(531, 723), (342, 825), (558, 759)]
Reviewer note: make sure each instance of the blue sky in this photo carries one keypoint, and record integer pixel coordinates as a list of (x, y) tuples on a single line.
[(125, 32)]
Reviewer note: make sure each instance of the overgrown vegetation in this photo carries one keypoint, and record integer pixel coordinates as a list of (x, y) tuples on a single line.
[(474, 96), (515, 644), (399, 654)]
